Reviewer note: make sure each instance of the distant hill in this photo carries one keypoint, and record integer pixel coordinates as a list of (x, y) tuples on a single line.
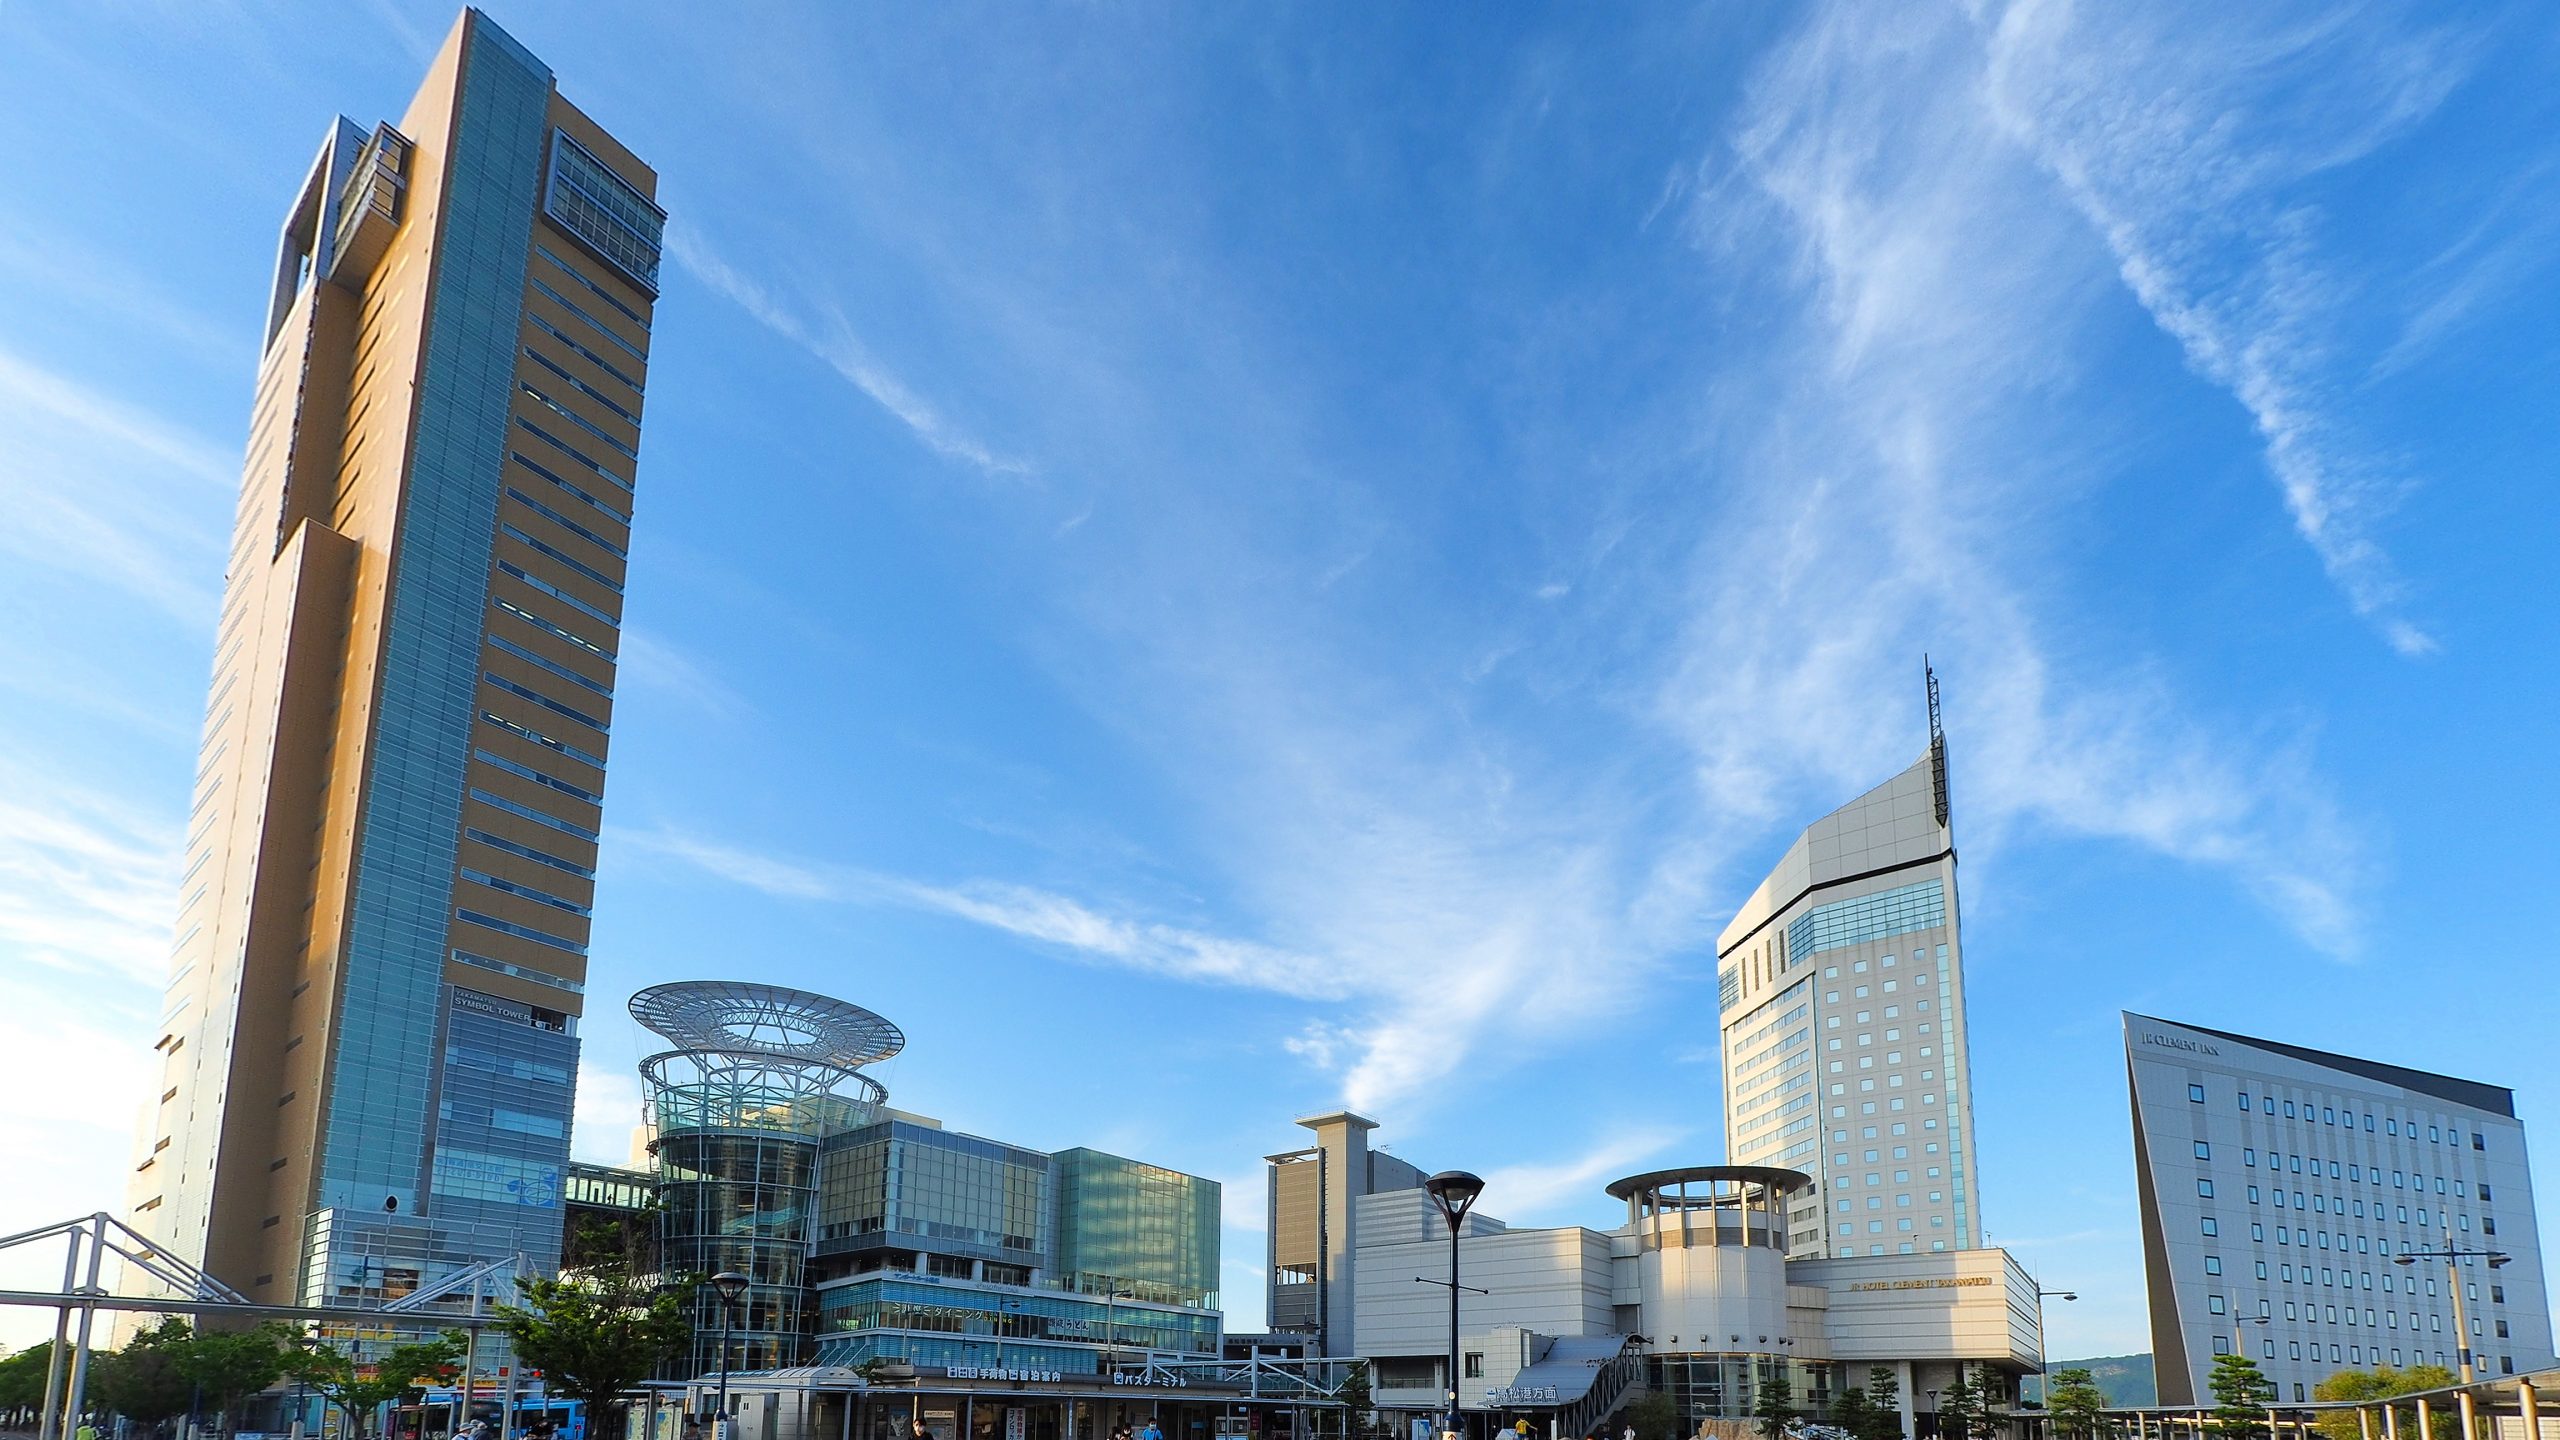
[(2127, 1379)]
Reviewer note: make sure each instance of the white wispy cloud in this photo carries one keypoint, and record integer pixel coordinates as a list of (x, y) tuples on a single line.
[(649, 662), (1874, 470), (830, 337), (609, 1108), (86, 1038), (2183, 134), (1897, 483), (25, 382), (1043, 917), (98, 488), (86, 882), (1536, 1188)]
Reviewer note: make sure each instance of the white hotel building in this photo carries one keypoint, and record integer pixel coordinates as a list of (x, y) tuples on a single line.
[(1841, 1005), (2280, 1183)]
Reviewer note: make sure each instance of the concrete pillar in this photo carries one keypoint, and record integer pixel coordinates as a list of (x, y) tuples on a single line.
[(2364, 1423), (2532, 1409), (1903, 1399), (2426, 1430), (2390, 1423)]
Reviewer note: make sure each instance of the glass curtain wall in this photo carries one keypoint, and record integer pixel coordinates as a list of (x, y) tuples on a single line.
[(1723, 1387), (1136, 1231)]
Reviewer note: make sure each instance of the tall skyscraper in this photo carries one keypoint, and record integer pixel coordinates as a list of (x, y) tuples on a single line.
[(370, 1042), (1840, 996), (2279, 1186)]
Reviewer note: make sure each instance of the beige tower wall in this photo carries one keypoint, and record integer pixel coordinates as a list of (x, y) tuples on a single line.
[(227, 1176)]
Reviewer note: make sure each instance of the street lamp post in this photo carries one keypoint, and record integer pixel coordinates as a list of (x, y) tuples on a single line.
[(1453, 1193), (729, 1284), (2044, 1382), (2452, 1255)]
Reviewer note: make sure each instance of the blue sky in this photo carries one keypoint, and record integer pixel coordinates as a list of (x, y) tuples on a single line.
[(1212, 561)]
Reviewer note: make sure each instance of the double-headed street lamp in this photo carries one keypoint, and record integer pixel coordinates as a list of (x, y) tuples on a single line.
[(1453, 1193), (2451, 1255), (729, 1285)]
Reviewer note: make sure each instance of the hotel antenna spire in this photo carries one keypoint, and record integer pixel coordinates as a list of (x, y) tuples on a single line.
[(1937, 743)]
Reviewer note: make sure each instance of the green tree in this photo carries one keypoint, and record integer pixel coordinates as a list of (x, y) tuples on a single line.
[(1655, 1416), (360, 1387), (1851, 1411), (1773, 1403), (229, 1366), (142, 1382), (2075, 1404), (2379, 1384), (1883, 1407), (22, 1378), (1355, 1396), (1955, 1408), (597, 1333), (2241, 1395)]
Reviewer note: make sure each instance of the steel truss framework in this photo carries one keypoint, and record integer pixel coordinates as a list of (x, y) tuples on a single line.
[(89, 1239)]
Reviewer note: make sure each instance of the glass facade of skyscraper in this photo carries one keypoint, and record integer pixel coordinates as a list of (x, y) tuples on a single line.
[(372, 1031)]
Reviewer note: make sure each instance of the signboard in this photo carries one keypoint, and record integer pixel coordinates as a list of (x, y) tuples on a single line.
[(999, 1372), (1162, 1379), (1523, 1395), (2177, 1042), (1943, 1282), (1017, 1423)]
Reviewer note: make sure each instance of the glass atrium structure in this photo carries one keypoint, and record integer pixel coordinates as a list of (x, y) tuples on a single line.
[(867, 1233), (760, 1076)]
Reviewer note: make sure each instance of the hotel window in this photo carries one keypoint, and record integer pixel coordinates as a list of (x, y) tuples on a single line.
[(2196, 1093), (2213, 1265), (2203, 1151), (2204, 1188), (2215, 1305), (2209, 1227)]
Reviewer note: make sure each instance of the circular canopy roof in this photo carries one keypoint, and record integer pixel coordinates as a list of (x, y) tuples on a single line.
[(732, 1017), (1772, 1176)]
